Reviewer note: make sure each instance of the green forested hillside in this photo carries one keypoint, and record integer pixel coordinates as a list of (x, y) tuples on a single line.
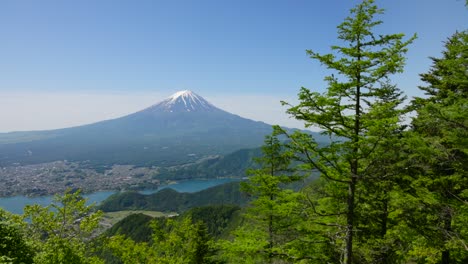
[(231, 165), (135, 226), (212, 222), (219, 220), (169, 200)]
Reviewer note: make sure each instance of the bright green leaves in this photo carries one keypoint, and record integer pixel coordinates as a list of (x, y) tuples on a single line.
[(174, 241), (368, 58), (129, 251), (361, 21), (61, 232), (14, 247), (58, 233)]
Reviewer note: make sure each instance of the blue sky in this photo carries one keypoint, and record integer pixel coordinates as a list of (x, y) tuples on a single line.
[(219, 49)]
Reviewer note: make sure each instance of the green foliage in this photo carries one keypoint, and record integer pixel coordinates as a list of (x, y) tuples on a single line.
[(359, 112), (173, 241), (157, 240), (269, 232), (14, 247), (169, 200), (439, 157), (61, 232), (185, 243), (219, 219), (135, 226), (231, 165), (129, 251)]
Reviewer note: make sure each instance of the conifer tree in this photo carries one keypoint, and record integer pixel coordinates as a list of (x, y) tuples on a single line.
[(439, 156), (269, 230), (350, 111)]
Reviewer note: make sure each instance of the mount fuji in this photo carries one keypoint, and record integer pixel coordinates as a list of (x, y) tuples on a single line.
[(182, 128)]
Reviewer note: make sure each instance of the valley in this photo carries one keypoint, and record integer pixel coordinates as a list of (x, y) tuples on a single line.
[(183, 137), (56, 177)]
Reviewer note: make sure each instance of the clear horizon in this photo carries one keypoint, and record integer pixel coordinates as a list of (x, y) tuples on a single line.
[(87, 108), (72, 63)]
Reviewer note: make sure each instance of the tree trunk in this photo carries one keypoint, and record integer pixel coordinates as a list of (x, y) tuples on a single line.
[(270, 236), (350, 220), (445, 258), (384, 216), (383, 229), (354, 163)]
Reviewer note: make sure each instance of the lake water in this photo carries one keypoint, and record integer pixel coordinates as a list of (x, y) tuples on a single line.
[(16, 204)]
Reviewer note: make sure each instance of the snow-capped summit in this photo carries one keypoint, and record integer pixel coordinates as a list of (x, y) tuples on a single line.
[(184, 101), (184, 93)]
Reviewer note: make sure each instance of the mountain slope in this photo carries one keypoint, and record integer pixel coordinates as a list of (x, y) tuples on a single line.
[(169, 200), (180, 129), (231, 165)]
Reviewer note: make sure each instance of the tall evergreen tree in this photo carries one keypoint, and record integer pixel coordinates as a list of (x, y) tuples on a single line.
[(381, 183), (269, 233), (350, 112), (440, 153)]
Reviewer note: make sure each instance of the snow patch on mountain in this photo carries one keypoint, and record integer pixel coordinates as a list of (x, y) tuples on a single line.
[(184, 101)]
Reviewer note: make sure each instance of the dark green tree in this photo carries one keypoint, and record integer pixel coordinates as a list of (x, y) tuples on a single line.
[(13, 244), (380, 184), (269, 231), (439, 144), (351, 112), (202, 248)]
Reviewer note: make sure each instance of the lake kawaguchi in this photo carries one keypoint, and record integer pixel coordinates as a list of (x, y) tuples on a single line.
[(15, 204)]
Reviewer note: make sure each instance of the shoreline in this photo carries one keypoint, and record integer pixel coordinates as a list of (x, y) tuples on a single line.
[(138, 189)]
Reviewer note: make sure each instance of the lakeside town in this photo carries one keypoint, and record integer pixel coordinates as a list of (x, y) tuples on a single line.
[(55, 177)]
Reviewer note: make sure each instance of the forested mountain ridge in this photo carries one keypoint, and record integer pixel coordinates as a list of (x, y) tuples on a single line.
[(219, 219), (169, 200), (231, 165)]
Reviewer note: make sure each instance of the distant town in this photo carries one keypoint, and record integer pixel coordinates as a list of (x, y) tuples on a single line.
[(55, 177)]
